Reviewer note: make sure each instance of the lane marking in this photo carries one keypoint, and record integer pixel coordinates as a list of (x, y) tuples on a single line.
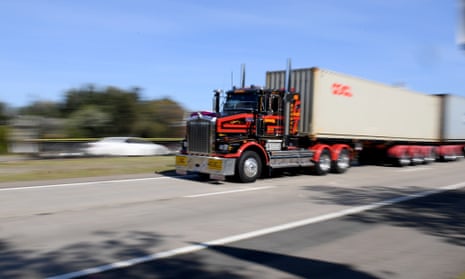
[(229, 192), (257, 233), (82, 183), (414, 169)]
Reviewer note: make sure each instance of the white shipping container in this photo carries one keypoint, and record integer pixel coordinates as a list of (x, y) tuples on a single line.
[(335, 105), (453, 128)]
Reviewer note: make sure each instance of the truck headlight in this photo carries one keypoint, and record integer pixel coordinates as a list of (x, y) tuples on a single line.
[(223, 147)]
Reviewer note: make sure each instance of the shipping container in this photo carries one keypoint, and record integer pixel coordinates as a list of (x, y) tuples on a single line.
[(453, 118), (336, 105)]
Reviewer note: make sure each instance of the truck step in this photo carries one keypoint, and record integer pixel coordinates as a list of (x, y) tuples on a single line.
[(292, 158)]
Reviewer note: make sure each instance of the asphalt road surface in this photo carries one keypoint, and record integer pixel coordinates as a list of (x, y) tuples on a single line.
[(372, 222)]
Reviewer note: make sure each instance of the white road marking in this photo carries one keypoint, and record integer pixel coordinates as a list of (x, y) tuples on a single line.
[(82, 183), (257, 233), (228, 192), (414, 169)]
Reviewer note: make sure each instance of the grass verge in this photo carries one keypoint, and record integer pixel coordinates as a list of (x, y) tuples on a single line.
[(27, 170)]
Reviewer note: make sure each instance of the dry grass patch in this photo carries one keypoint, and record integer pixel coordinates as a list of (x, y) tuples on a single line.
[(24, 170)]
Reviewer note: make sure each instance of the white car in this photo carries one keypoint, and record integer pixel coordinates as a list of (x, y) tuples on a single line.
[(125, 146)]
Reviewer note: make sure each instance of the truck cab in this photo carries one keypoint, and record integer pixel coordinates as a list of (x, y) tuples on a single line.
[(245, 136)]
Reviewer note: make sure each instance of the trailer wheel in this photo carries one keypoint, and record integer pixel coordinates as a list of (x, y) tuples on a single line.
[(431, 156), (249, 167), (403, 160), (416, 159), (342, 164), (323, 166)]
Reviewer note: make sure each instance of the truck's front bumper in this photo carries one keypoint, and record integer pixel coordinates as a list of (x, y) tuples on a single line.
[(217, 167)]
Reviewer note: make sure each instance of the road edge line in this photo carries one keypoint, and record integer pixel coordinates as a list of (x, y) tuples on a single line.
[(86, 183), (228, 192)]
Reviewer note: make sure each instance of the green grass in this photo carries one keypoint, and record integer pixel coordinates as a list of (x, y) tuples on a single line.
[(27, 170)]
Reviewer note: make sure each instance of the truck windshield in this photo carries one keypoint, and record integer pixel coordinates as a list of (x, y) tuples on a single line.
[(240, 102)]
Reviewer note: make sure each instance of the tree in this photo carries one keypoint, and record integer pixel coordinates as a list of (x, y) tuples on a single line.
[(3, 128), (91, 111), (160, 118), (89, 121), (3, 113), (3, 139), (42, 108), (118, 104), (122, 106), (78, 98)]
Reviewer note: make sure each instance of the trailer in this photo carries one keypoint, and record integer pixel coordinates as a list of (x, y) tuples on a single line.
[(323, 120), (335, 105), (452, 118), (452, 129)]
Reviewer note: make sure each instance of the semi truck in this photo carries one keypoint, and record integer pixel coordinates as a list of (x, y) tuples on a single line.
[(321, 120)]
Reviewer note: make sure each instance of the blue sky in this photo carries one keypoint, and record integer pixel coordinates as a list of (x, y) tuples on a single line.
[(184, 49)]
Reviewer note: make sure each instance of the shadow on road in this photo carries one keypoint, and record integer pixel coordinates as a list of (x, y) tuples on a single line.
[(16, 263), (358, 196), (213, 262), (291, 265), (228, 262), (441, 215), (202, 178)]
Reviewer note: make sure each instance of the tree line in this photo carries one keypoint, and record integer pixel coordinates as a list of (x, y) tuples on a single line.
[(91, 112)]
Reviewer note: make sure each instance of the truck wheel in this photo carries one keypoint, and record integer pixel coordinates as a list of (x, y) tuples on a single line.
[(416, 159), (403, 160), (431, 156), (323, 166), (249, 167), (342, 164)]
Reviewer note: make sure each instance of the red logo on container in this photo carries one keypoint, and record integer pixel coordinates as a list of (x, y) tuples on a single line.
[(342, 90)]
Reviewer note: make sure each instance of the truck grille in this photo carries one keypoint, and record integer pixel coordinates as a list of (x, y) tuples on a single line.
[(200, 135)]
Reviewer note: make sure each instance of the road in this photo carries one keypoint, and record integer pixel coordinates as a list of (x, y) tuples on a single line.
[(372, 222)]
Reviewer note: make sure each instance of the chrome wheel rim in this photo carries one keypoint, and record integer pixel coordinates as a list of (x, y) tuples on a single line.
[(250, 167), (325, 162), (343, 161)]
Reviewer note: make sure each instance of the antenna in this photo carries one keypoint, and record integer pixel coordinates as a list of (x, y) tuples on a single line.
[(232, 79)]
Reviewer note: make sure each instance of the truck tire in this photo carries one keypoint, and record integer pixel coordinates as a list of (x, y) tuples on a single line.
[(323, 166), (342, 164), (431, 156), (403, 160), (416, 159), (249, 167)]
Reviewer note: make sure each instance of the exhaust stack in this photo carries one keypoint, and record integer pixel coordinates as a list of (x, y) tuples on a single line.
[(461, 25), (287, 99), (242, 75)]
